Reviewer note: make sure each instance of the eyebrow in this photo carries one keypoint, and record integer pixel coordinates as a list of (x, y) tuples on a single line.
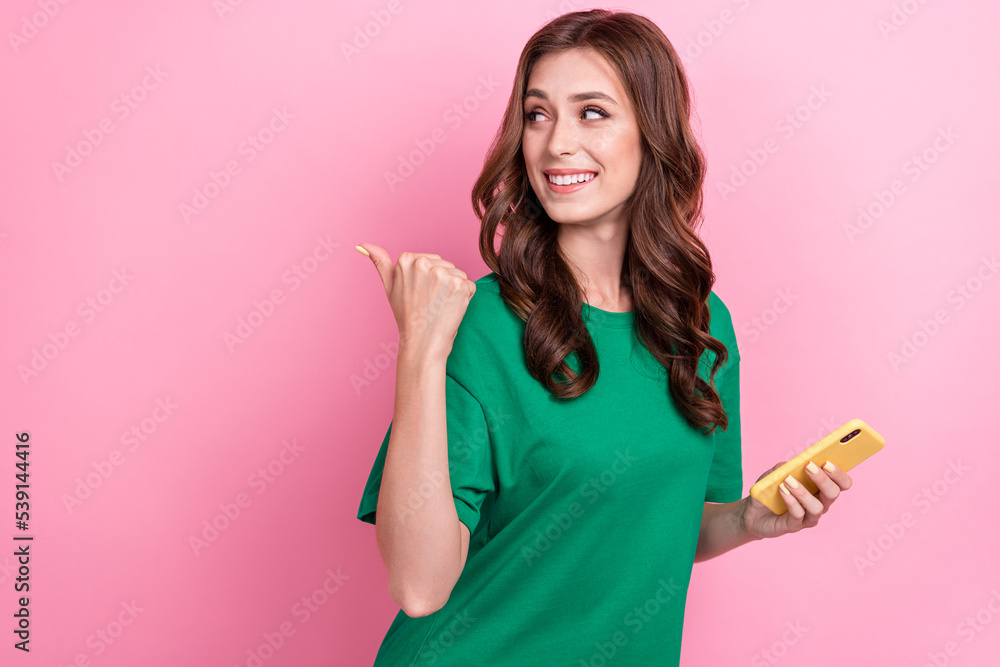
[(579, 97)]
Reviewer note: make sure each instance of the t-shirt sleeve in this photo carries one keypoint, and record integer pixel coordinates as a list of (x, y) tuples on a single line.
[(725, 478), (470, 461)]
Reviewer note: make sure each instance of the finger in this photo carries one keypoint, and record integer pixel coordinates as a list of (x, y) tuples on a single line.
[(383, 263), (795, 512), (840, 477), (455, 271), (407, 258), (828, 489), (811, 505)]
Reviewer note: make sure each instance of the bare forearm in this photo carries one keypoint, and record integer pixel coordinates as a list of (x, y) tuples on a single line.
[(416, 523), (721, 530)]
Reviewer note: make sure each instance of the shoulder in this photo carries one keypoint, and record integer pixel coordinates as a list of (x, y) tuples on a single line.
[(720, 312), (721, 324), (486, 306), (489, 283), (489, 332)]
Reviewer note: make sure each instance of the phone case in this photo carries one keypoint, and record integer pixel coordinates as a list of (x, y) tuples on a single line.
[(846, 455)]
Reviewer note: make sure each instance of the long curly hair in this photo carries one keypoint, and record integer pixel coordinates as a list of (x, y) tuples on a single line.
[(666, 265)]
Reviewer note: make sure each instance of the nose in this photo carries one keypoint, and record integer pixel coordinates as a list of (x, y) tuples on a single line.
[(563, 140)]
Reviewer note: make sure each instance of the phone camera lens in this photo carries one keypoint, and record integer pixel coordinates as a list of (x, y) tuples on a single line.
[(850, 435)]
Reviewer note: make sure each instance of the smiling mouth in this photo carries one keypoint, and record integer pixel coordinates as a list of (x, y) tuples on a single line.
[(571, 179), (564, 184)]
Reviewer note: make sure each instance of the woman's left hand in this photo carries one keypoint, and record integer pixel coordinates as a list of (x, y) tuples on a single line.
[(804, 508)]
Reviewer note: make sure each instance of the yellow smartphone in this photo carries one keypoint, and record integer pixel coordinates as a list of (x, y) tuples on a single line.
[(846, 446)]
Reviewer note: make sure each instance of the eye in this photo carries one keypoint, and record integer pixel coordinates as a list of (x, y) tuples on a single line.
[(600, 112), (596, 110)]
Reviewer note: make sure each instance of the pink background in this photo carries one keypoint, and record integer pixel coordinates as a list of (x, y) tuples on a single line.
[(113, 515)]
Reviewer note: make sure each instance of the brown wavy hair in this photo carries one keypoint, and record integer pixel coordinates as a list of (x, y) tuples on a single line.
[(666, 265)]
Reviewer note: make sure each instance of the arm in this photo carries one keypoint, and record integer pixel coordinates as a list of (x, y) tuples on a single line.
[(722, 529), (725, 526), (423, 544)]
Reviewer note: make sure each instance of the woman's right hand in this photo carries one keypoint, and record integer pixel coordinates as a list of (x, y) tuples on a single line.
[(428, 297)]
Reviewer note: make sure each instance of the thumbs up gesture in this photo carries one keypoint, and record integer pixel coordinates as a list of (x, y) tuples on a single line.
[(428, 296)]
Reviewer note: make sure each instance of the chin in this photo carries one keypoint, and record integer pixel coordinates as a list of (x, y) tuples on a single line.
[(571, 220), (564, 216)]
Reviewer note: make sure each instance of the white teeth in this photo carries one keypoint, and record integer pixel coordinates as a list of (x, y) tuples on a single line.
[(570, 179)]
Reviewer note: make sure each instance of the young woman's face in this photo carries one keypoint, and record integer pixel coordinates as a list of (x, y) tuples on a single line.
[(579, 120)]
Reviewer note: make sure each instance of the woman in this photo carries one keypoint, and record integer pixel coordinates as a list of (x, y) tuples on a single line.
[(567, 435)]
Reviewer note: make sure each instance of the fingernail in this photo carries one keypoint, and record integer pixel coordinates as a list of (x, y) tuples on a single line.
[(829, 467), (792, 482), (362, 251), (812, 467), (784, 489)]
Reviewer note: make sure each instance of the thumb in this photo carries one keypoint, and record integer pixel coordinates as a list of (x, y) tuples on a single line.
[(380, 258), (771, 469)]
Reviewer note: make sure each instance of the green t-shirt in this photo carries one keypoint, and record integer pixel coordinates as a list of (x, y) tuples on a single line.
[(584, 513)]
